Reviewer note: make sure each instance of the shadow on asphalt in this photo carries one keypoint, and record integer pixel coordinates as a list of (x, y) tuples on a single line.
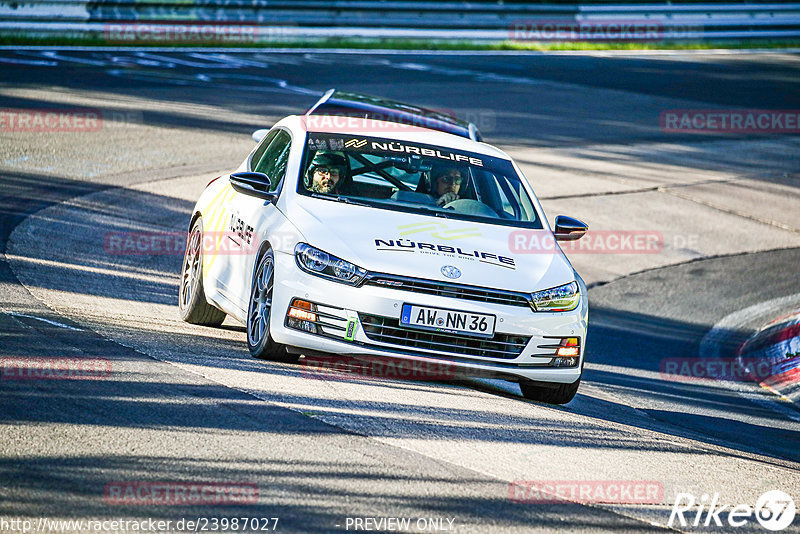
[(55, 485)]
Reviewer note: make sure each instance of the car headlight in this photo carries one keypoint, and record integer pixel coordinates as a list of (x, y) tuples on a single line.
[(557, 299), (315, 261)]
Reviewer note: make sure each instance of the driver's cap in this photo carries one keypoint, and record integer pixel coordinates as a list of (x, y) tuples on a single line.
[(329, 159)]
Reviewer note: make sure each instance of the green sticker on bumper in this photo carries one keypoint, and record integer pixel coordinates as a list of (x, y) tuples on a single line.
[(350, 334)]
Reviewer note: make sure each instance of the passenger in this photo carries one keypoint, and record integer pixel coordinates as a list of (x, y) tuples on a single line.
[(447, 182), (327, 173)]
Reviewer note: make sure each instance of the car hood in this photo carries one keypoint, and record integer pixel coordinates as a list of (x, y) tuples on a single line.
[(420, 246)]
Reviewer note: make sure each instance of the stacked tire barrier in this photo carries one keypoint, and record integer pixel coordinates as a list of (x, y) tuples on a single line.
[(292, 20), (778, 346)]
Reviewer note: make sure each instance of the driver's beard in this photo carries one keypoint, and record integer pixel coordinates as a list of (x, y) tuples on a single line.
[(324, 189)]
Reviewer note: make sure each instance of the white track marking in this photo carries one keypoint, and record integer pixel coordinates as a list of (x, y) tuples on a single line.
[(48, 321), (54, 55), (35, 62)]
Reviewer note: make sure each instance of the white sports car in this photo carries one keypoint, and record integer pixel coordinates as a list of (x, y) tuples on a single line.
[(372, 239)]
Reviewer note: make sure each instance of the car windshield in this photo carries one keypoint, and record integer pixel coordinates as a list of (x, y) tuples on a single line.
[(413, 177)]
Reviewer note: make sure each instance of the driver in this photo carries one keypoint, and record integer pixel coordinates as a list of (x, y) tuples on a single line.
[(326, 172), (447, 182)]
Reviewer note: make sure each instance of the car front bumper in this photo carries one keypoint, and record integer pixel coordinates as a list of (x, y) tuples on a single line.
[(363, 322)]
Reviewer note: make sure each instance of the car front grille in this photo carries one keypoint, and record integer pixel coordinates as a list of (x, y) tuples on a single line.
[(387, 330), (446, 289)]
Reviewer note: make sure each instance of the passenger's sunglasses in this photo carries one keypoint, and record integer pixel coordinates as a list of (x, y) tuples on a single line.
[(447, 179)]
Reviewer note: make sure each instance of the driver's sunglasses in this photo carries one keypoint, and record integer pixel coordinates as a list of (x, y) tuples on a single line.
[(333, 173), (447, 179)]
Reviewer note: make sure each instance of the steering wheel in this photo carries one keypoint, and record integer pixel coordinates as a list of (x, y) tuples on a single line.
[(470, 207)]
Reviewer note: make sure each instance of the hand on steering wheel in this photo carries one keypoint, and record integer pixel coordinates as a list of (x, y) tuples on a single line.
[(446, 198)]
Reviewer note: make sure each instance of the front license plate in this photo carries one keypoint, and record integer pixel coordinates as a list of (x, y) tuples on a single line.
[(449, 321)]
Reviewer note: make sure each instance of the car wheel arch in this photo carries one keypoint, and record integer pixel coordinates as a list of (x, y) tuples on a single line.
[(196, 215), (263, 248)]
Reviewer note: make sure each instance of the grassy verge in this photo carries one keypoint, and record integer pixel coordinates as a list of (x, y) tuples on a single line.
[(405, 44)]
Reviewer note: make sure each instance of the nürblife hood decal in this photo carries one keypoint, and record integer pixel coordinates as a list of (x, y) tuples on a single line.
[(446, 251)]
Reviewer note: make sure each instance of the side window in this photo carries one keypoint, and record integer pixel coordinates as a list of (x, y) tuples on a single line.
[(512, 201), (275, 159), (504, 198), (262, 147)]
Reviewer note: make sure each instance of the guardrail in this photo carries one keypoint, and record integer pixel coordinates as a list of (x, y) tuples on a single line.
[(287, 20)]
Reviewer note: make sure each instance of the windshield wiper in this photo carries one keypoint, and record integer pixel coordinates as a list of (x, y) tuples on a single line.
[(339, 198)]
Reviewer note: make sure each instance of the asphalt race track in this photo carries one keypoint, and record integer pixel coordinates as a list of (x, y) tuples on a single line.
[(188, 404)]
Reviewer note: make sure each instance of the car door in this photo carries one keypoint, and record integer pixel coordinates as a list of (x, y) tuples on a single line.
[(225, 243), (251, 216)]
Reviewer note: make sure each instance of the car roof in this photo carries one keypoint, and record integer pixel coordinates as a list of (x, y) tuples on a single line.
[(335, 124), (348, 104)]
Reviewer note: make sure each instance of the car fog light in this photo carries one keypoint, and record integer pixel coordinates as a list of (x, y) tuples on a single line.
[(308, 327), (568, 352), (301, 316), (570, 346), (565, 362)]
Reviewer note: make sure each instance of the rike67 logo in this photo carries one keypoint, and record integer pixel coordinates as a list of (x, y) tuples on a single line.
[(774, 510)]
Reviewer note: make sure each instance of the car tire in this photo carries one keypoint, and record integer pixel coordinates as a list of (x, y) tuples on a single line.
[(259, 312), (549, 392), (192, 301)]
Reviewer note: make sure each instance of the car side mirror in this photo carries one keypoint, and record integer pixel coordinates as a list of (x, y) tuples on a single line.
[(258, 135), (569, 229), (254, 184)]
